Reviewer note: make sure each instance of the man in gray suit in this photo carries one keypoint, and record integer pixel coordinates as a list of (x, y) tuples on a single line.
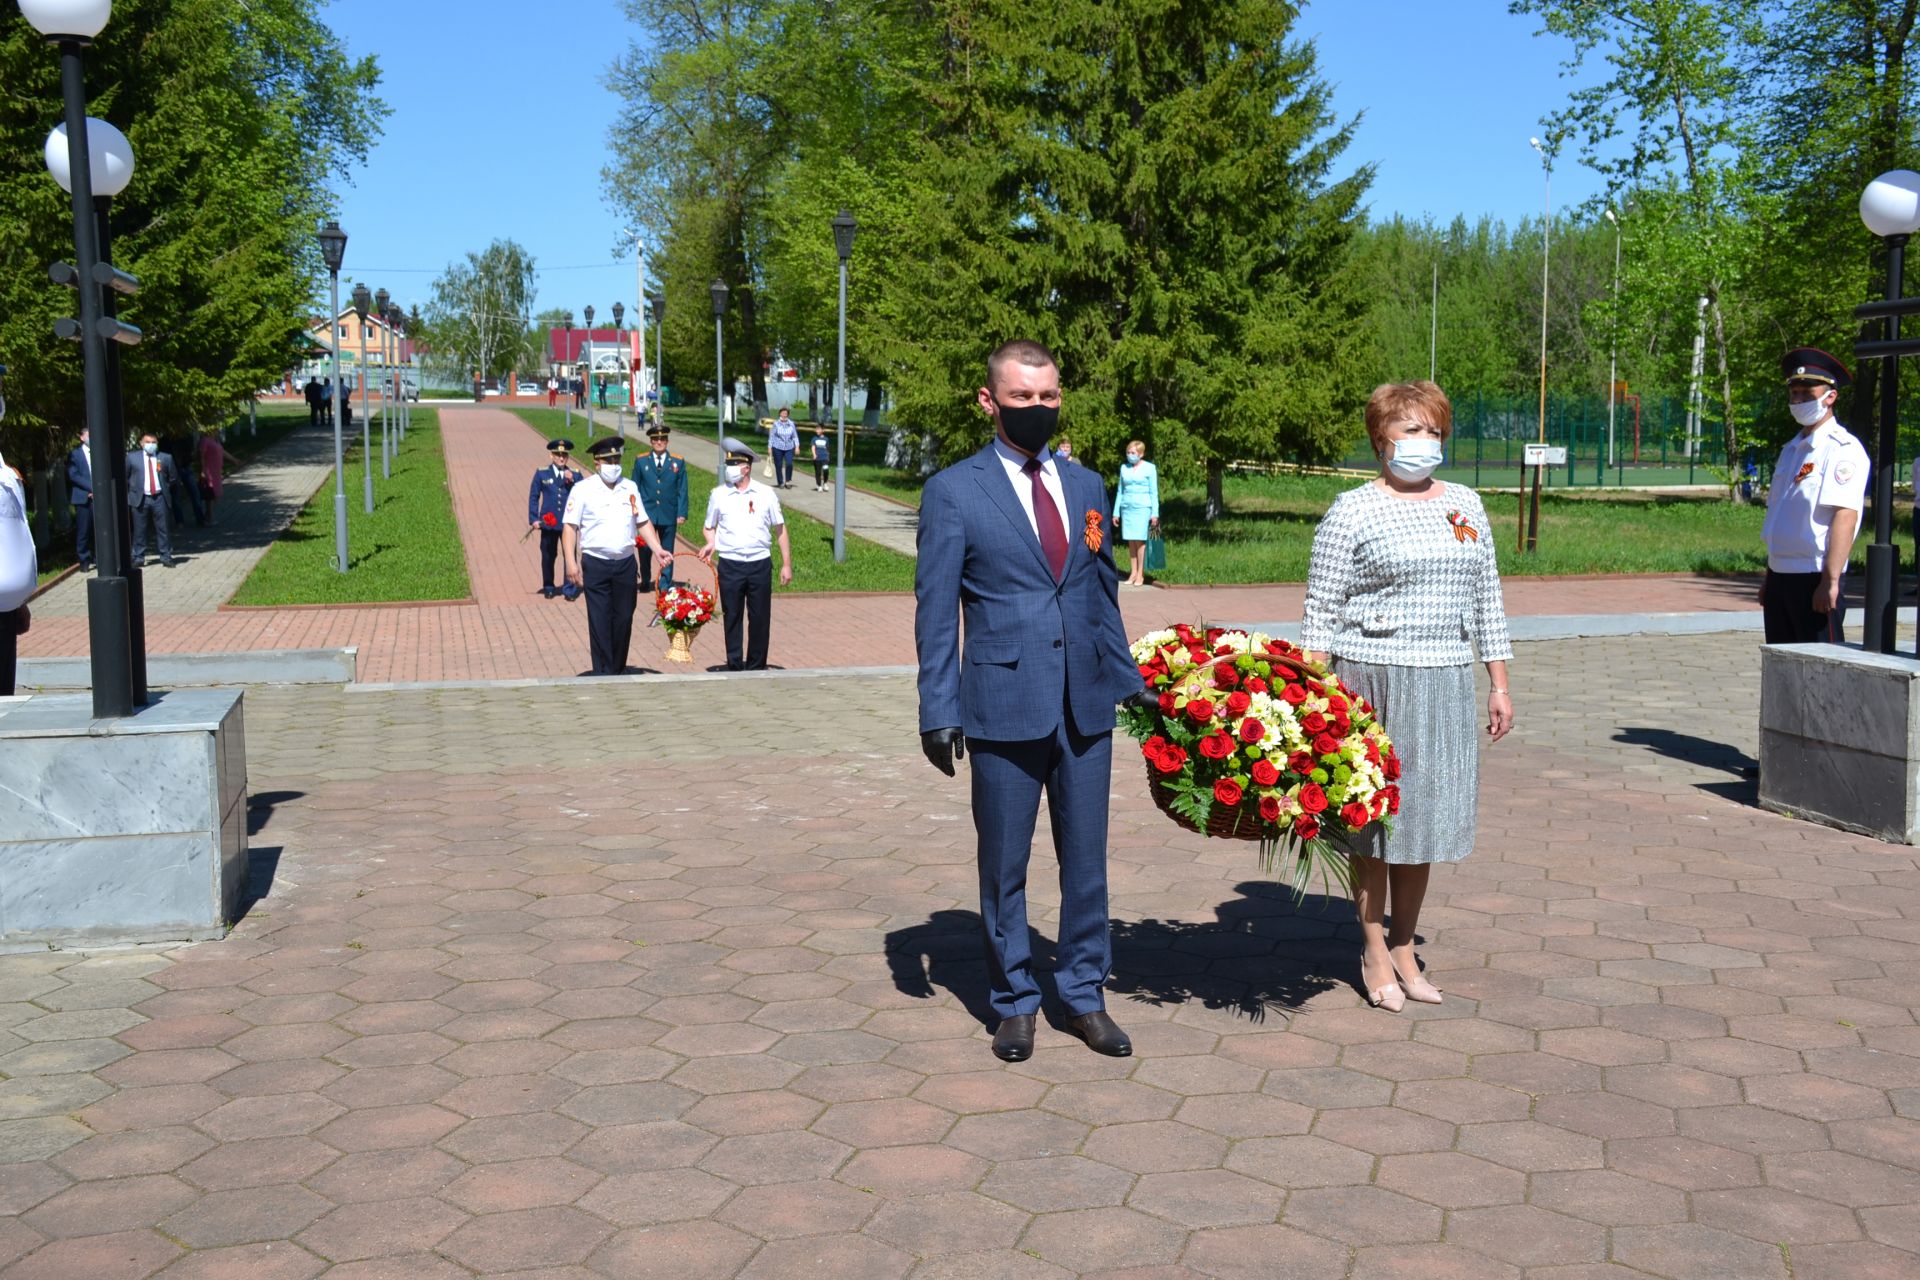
[(150, 473), (1020, 548)]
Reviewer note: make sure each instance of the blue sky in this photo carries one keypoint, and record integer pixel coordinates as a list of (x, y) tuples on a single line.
[(500, 120)]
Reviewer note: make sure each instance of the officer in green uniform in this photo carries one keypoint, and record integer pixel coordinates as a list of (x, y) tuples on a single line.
[(661, 478)]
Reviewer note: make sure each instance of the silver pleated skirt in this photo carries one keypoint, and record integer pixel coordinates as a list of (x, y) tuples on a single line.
[(1432, 716)]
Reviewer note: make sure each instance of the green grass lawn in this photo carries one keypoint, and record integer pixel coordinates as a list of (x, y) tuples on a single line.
[(408, 549), (869, 566), (1266, 534)]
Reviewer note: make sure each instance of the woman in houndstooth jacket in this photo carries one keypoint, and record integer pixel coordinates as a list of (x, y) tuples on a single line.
[(1403, 586)]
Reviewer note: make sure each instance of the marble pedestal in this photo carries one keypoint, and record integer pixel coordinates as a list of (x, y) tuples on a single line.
[(121, 831), (1840, 738)]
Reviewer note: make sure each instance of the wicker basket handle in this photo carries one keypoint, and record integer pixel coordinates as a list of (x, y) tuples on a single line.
[(1299, 667)]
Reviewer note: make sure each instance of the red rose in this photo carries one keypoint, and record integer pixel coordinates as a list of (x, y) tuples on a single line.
[(1171, 759), (1300, 762), (1326, 745), (1306, 828), (1392, 766), (1146, 674), (1216, 746), (1392, 794), (1167, 705), (1153, 746), (1227, 792), (1252, 730), (1276, 646), (1356, 814), (1225, 677), (1201, 710), (1373, 751), (1269, 808), (1264, 774), (1313, 722), (1294, 694), (1256, 685), (1342, 726), (550, 520), (1237, 702), (1336, 703), (1312, 798)]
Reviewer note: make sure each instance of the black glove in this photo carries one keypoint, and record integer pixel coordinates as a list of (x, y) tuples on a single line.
[(943, 747), (1142, 700)]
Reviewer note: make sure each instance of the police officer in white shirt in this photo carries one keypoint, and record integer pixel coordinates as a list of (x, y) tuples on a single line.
[(1813, 509), (742, 517), (601, 531)]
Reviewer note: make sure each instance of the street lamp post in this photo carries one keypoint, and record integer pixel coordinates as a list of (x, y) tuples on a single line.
[(843, 229), (586, 383), (657, 304), (718, 291), (619, 316), (1613, 341), (566, 349), (1890, 207), (381, 300), (398, 375), (333, 248), (70, 26), (361, 298), (1546, 251)]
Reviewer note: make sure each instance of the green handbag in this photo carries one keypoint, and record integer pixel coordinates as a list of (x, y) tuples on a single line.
[(1156, 553)]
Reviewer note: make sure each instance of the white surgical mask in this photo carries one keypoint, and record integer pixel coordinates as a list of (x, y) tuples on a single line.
[(609, 471), (1415, 458), (149, 448), (736, 474), (1808, 412)]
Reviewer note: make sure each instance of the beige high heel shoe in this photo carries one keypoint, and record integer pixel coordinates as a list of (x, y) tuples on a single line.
[(1388, 996), (1417, 987)]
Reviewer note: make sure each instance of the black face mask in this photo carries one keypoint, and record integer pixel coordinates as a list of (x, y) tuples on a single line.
[(1028, 427)]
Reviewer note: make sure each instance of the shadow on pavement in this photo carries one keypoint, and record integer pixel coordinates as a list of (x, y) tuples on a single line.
[(1704, 752), (1260, 953)]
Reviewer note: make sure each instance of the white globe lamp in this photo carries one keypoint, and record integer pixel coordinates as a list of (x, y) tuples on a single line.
[(70, 19), (1890, 206), (109, 155)]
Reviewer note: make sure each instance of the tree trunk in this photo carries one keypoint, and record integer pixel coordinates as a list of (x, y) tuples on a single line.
[(1216, 489), (875, 392)]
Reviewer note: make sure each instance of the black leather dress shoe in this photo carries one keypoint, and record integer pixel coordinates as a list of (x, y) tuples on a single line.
[(1101, 1033), (1013, 1042)]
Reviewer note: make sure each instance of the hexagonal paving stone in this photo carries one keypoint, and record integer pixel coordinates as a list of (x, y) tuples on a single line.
[(884, 1122), (525, 1238), (1155, 1146), (665, 1195), (1363, 1215), (638, 1148), (1526, 1235), (380, 1176), (521, 1184), (1057, 1182), (245, 1216), (1300, 1162), (678, 1251), (775, 1157), (851, 1257), (1266, 1253), (1017, 1135), (1608, 1198), (913, 1171), (1097, 1239), (1206, 1198), (99, 1208), (1451, 1180), (521, 1137), (1691, 1250), (782, 1210)]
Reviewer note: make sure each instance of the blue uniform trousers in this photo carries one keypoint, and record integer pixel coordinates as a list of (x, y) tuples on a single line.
[(1076, 772), (611, 590)]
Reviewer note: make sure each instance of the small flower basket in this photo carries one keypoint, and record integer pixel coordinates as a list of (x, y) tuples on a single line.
[(683, 611), (1251, 741)]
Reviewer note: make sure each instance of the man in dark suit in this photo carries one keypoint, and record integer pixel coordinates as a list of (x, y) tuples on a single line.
[(150, 473), (80, 494), (1020, 548), (314, 399)]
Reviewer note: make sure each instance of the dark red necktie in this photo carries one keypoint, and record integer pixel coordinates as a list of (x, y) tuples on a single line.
[(1046, 516)]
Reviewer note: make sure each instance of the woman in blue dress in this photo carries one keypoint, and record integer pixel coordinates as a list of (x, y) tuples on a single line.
[(1136, 506)]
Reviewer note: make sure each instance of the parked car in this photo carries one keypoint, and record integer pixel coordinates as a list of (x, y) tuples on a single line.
[(526, 388)]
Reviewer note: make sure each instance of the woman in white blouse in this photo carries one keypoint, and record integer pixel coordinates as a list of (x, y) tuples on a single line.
[(1402, 588)]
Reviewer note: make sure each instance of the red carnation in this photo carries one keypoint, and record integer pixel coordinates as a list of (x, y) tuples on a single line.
[(1312, 798), (1306, 828), (1256, 685), (1264, 774), (1326, 745), (1216, 746), (1227, 792), (1252, 730), (550, 520), (1200, 710), (1356, 814), (1238, 701), (1269, 808), (1294, 694), (1313, 722), (1300, 762)]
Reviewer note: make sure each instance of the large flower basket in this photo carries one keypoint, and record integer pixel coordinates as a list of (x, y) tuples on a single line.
[(1251, 741), (683, 611)]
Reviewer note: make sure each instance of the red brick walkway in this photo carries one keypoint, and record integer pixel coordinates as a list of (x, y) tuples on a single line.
[(511, 632)]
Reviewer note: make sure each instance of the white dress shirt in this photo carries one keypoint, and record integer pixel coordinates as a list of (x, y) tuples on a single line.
[(742, 521), (1016, 464), (1821, 472), (608, 517)]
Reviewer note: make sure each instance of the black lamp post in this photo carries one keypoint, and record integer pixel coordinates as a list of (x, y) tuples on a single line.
[(657, 309), (1890, 207), (586, 383), (843, 229), (718, 290), (70, 25), (619, 314), (381, 300), (333, 248), (361, 300)]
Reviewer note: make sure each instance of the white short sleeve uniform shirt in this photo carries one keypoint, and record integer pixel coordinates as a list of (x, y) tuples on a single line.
[(743, 521), (1821, 472), (608, 517)]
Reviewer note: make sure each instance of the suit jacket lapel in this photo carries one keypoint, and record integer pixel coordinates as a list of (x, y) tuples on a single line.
[(992, 475)]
